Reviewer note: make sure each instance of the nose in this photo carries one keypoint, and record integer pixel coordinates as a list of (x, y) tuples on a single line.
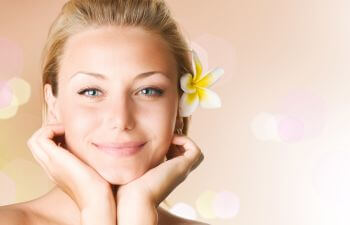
[(120, 114)]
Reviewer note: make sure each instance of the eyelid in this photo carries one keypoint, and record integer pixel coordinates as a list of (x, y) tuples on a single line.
[(88, 88), (159, 91)]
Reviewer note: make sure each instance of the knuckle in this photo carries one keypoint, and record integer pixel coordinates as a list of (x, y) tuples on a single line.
[(29, 143), (201, 156), (46, 129), (198, 152)]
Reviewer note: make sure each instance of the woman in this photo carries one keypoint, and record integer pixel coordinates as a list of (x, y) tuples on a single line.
[(112, 137)]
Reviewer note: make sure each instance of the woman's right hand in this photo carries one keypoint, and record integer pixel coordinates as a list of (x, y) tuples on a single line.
[(81, 182)]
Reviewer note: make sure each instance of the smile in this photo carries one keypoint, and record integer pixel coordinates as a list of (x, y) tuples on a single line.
[(120, 151)]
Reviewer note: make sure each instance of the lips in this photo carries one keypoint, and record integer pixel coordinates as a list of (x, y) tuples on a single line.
[(120, 149), (120, 145)]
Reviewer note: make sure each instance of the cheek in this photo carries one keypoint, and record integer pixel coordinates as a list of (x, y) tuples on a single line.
[(160, 118), (78, 124), (160, 126)]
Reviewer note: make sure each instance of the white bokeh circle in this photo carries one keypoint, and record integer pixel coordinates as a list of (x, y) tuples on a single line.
[(7, 189), (21, 89), (204, 204), (265, 127), (184, 210), (226, 205)]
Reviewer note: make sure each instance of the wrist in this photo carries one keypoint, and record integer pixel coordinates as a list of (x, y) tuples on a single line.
[(94, 197), (100, 214), (101, 209), (136, 211)]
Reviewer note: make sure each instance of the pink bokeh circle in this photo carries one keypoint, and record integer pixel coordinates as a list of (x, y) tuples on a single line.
[(11, 59), (217, 52), (226, 205), (290, 129), (5, 94)]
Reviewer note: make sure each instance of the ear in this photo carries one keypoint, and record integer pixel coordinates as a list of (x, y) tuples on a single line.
[(179, 122), (53, 113)]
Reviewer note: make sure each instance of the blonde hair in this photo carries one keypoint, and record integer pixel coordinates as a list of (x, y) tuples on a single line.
[(79, 15)]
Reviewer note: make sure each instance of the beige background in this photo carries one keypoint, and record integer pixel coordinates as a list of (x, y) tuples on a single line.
[(277, 152)]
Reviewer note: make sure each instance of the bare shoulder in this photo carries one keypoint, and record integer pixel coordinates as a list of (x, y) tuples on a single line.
[(13, 215), (167, 218)]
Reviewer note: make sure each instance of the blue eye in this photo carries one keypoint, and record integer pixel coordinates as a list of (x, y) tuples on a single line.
[(95, 92), (90, 92), (152, 92)]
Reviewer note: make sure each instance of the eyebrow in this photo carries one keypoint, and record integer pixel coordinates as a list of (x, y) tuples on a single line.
[(103, 77)]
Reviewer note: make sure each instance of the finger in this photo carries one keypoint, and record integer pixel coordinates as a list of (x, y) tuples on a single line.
[(41, 157), (191, 150), (172, 172), (54, 153), (46, 136), (196, 164), (39, 133), (60, 156), (34, 137), (174, 151), (52, 131), (34, 148)]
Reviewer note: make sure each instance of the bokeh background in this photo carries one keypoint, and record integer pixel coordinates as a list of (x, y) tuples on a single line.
[(276, 152)]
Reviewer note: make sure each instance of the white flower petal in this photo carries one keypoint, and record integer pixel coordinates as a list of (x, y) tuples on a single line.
[(198, 67), (186, 83), (208, 98), (188, 104), (210, 78)]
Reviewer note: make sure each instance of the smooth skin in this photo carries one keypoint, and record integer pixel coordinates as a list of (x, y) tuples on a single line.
[(93, 187)]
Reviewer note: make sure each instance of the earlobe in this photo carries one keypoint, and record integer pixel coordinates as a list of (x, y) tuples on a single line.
[(52, 105)]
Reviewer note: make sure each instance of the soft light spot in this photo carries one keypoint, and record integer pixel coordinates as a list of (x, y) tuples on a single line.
[(221, 54), (10, 110), (7, 189), (291, 129), (226, 205), (5, 94), (331, 178), (204, 204), (265, 127), (11, 59), (304, 113), (30, 178), (184, 210), (21, 89), (203, 56)]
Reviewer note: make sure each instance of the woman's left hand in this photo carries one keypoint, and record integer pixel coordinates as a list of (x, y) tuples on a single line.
[(143, 195)]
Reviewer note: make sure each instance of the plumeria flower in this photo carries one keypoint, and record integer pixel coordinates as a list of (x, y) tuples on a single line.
[(196, 90)]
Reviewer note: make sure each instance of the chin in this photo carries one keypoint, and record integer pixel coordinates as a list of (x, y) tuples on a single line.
[(120, 178)]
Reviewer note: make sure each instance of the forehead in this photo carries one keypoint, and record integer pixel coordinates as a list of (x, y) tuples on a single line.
[(116, 50)]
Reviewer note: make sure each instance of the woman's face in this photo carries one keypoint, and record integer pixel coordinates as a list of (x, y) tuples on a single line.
[(116, 85)]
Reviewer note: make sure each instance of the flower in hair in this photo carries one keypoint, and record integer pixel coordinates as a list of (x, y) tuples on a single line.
[(196, 88)]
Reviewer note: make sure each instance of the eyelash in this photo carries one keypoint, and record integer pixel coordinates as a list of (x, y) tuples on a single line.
[(159, 92)]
